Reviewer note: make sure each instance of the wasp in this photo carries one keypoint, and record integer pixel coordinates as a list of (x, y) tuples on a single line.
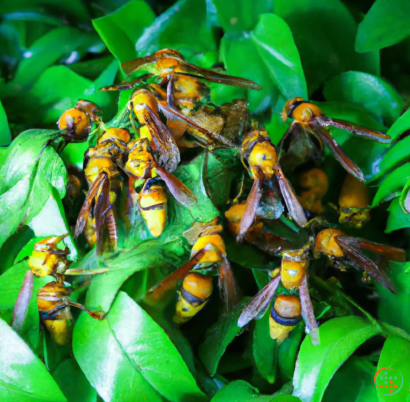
[(288, 309), (208, 255), (76, 122), (263, 165), (101, 168), (343, 251), (53, 300), (183, 93), (354, 203), (310, 132), (154, 154), (316, 184), (256, 235), (54, 307)]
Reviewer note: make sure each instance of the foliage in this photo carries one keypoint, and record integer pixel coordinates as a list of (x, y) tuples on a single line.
[(56, 52)]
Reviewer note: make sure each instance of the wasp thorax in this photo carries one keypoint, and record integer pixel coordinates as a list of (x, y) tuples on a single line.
[(325, 243), (121, 134), (292, 272)]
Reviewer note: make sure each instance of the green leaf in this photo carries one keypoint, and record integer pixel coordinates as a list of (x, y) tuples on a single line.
[(10, 285), (5, 135), (395, 155), (265, 349), (236, 17), (385, 24), (177, 29), (140, 358), (67, 88), (151, 253), (240, 391), (288, 351), (23, 377), (316, 365), (397, 218), (358, 373), (73, 382), (401, 125), (241, 58), (26, 184), (324, 33), (368, 91), (395, 308), (121, 29), (395, 354), (276, 47), (44, 53), (219, 336), (395, 181)]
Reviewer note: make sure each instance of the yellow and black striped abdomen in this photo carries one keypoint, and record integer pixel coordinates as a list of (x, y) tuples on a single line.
[(194, 294)]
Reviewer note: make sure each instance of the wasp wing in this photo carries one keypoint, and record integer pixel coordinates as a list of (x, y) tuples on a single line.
[(338, 152), (252, 203), (353, 128), (391, 253), (22, 302), (92, 193), (172, 114), (171, 281), (258, 305), (227, 284), (133, 65), (291, 200), (106, 227), (359, 260), (308, 313), (169, 156), (219, 78), (178, 189)]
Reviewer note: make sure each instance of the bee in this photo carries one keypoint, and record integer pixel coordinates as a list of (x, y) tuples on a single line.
[(263, 165), (101, 168), (54, 307), (310, 131), (343, 251), (256, 235), (288, 309), (354, 203), (208, 255), (316, 183)]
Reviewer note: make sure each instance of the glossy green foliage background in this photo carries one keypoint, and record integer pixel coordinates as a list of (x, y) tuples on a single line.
[(350, 57)]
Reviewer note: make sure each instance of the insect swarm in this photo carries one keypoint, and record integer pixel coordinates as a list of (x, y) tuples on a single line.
[(165, 157)]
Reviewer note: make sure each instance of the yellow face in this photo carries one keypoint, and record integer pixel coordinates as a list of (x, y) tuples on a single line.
[(185, 311), (60, 330), (264, 156), (325, 243), (153, 213), (315, 179), (140, 98), (354, 193), (76, 122)]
